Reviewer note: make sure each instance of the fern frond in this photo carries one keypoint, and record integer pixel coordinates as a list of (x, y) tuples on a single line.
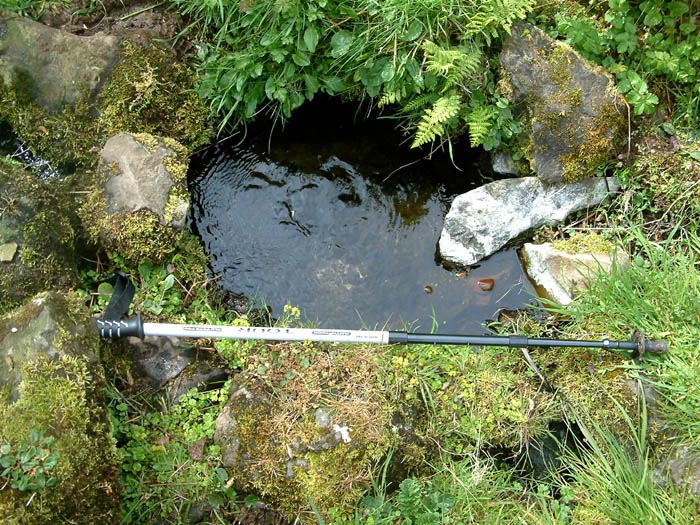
[(433, 122), (454, 64), (480, 120), (497, 16), (392, 97), (419, 102)]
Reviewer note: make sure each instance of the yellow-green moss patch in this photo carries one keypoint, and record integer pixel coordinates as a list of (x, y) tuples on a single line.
[(152, 91), (61, 398)]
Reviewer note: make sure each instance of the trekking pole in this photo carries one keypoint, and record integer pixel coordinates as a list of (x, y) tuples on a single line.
[(638, 345)]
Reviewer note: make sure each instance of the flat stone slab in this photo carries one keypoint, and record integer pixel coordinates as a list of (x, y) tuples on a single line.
[(560, 274), (8, 251)]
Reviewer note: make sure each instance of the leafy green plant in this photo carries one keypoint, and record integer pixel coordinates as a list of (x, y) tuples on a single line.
[(428, 58), (168, 464), (652, 46), (29, 467)]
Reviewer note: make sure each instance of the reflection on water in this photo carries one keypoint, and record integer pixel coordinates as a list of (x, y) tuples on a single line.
[(18, 150), (324, 221)]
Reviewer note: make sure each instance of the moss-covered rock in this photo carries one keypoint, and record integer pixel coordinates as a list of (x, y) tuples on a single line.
[(138, 210), (306, 433), (152, 91), (38, 219), (571, 109), (50, 354), (49, 80), (63, 93)]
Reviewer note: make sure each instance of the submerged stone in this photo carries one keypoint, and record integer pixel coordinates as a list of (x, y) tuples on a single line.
[(8, 251)]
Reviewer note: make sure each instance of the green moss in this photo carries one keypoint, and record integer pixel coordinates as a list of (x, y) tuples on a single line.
[(285, 454), (597, 146), (62, 399), (40, 217), (471, 399), (152, 91), (67, 140), (561, 60), (138, 236), (585, 243)]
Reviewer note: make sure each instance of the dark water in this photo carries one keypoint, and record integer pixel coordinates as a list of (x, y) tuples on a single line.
[(15, 148), (337, 219)]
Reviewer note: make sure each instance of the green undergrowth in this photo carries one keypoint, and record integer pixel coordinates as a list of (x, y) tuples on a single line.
[(65, 471), (432, 61), (431, 414), (33, 8), (170, 469), (652, 47), (661, 187), (613, 480), (178, 289)]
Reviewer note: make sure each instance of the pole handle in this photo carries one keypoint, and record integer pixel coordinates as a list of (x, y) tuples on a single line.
[(118, 328)]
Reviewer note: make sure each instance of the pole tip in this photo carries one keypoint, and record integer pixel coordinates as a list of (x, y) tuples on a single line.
[(644, 346)]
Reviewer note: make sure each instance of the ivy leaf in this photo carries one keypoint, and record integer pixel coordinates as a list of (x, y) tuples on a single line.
[(413, 68), (334, 85), (312, 86), (341, 43), (311, 38)]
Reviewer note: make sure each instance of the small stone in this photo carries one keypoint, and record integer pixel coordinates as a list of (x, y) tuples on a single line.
[(485, 285), (323, 417), (8, 251)]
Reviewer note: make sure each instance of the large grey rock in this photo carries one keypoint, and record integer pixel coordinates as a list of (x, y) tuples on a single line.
[(54, 68), (680, 468), (48, 325), (482, 221), (142, 178), (571, 109), (560, 275)]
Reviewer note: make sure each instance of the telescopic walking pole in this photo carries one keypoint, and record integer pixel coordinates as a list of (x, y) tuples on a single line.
[(135, 327)]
